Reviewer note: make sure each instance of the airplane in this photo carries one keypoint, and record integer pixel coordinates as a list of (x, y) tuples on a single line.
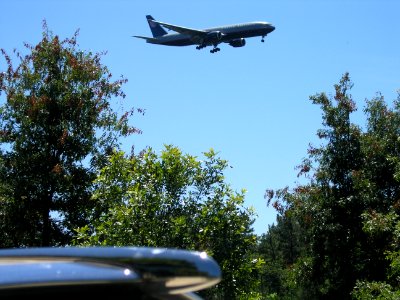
[(234, 34)]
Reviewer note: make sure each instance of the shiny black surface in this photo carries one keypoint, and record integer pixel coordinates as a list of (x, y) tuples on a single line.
[(157, 272)]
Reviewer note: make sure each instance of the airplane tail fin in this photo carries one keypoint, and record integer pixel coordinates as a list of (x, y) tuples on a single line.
[(155, 28)]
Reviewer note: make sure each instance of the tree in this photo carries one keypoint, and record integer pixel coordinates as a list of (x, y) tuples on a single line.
[(176, 201), (56, 128), (381, 220), (337, 237), (377, 225), (281, 248), (352, 177)]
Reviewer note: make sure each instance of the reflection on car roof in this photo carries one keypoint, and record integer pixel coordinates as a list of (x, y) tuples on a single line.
[(157, 272)]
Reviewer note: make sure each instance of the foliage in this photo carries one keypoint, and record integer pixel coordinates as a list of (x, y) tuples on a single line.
[(177, 201), (56, 128), (375, 225), (374, 291), (347, 208), (281, 247)]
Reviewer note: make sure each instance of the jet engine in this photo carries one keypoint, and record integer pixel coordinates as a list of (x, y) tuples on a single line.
[(214, 37), (238, 43)]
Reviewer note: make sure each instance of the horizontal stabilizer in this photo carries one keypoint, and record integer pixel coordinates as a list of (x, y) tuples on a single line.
[(148, 39)]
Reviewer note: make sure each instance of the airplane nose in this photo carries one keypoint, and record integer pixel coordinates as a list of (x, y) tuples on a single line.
[(271, 27)]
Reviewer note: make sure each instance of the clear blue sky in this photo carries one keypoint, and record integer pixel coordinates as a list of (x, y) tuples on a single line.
[(250, 104)]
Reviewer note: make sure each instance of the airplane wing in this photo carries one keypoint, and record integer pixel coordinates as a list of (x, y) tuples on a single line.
[(196, 35)]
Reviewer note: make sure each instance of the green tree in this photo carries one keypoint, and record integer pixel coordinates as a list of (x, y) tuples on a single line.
[(337, 238), (351, 175), (177, 201), (378, 225), (281, 248), (381, 219), (56, 128)]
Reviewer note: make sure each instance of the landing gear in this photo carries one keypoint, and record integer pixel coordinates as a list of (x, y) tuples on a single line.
[(215, 49), (262, 39)]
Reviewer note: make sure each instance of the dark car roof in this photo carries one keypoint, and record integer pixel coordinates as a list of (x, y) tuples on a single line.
[(134, 272)]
